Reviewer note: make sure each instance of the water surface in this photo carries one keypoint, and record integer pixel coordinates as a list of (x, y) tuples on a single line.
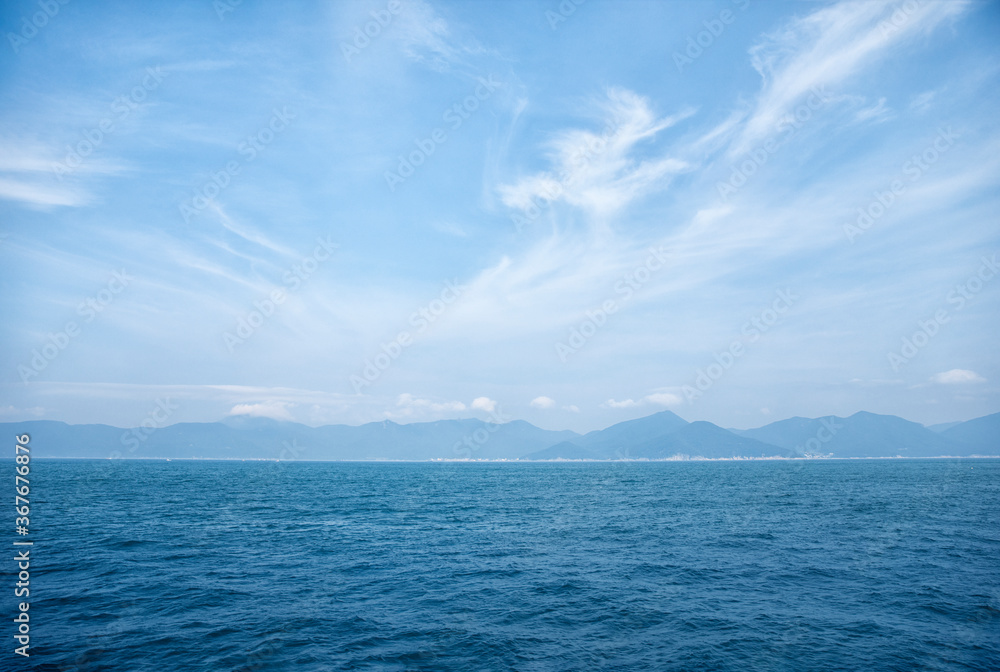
[(764, 565)]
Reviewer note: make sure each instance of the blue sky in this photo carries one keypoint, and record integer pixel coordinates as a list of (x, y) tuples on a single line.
[(571, 214)]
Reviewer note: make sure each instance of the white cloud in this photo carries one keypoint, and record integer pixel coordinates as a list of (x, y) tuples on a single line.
[(923, 101), (484, 404), (427, 38), (422, 35), (549, 284), (625, 403), (957, 377), (276, 410), (825, 48), (543, 402), (571, 408), (450, 228), (596, 171), (408, 403), (41, 195), (313, 407), (657, 399), (246, 232), (877, 113), (30, 176), (664, 399)]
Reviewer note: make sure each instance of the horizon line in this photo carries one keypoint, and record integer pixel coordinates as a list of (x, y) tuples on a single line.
[(488, 422)]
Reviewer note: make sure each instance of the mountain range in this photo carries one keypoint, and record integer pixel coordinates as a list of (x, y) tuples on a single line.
[(663, 435)]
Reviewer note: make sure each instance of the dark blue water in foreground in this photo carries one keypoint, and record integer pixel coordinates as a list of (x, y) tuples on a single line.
[(783, 565)]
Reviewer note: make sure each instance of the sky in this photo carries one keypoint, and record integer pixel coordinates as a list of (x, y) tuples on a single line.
[(571, 213)]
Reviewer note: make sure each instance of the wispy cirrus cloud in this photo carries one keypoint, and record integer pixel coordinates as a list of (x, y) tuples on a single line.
[(28, 175), (42, 195), (424, 36), (601, 172), (247, 232), (598, 177), (876, 113), (825, 48)]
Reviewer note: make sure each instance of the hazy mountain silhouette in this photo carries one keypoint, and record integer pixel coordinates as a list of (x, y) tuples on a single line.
[(860, 435), (981, 434), (659, 436), (616, 441), (703, 439), (263, 438)]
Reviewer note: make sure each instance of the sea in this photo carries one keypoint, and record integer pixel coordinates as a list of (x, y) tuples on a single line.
[(823, 565)]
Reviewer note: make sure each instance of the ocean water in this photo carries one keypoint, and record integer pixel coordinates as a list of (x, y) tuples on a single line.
[(763, 565)]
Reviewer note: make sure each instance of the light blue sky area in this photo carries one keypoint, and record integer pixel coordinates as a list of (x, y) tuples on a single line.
[(504, 210)]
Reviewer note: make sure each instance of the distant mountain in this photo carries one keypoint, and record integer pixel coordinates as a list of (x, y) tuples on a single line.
[(72, 440), (262, 438), (564, 451), (860, 435), (444, 439), (616, 441), (982, 435), (659, 436), (703, 439), (784, 433), (943, 426)]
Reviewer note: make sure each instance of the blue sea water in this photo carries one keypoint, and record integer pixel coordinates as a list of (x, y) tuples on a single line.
[(763, 565)]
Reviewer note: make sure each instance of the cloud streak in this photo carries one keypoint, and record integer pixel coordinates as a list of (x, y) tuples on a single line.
[(599, 172), (824, 49)]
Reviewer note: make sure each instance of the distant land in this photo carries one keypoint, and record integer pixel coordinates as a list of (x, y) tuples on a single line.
[(660, 436)]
